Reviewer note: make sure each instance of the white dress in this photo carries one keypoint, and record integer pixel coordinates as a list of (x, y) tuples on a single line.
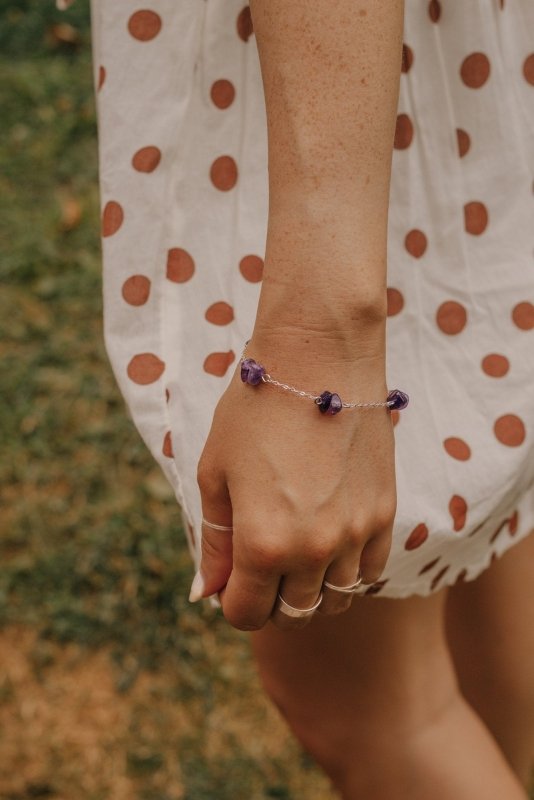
[(183, 170)]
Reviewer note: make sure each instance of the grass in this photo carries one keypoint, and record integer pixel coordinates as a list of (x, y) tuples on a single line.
[(94, 566)]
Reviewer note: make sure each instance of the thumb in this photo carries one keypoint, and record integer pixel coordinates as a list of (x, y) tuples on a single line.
[(217, 551)]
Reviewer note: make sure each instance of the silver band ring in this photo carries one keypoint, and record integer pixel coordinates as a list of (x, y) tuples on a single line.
[(291, 611), (345, 589), (217, 527)]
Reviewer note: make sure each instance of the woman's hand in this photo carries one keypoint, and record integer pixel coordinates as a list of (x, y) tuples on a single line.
[(310, 496)]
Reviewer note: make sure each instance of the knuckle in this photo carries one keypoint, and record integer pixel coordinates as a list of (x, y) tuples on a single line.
[(385, 512), (260, 553), (213, 546), (206, 476), (318, 553), (356, 533), (266, 555)]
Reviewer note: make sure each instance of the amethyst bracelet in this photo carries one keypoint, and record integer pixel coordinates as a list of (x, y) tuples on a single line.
[(327, 402)]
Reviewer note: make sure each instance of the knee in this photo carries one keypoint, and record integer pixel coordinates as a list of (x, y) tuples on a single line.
[(352, 738), (317, 726)]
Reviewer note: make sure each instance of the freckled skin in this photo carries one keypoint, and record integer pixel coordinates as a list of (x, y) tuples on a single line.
[(331, 85)]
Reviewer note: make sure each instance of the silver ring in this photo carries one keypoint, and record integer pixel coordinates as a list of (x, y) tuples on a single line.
[(217, 527), (291, 611), (345, 589)]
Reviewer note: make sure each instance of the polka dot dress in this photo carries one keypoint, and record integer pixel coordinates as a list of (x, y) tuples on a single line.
[(183, 169)]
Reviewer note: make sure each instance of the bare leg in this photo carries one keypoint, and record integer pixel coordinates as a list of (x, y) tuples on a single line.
[(372, 695), (490, 625)]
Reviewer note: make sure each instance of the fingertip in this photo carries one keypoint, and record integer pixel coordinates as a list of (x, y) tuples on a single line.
[(197, 588)]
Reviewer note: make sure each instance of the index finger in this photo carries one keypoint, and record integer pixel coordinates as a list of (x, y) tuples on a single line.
[(249, 597)]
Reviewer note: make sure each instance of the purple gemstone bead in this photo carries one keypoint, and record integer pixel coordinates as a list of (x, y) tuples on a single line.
[(330, 403), (335, 404), (400, 400), (325, 402), (251, 371)]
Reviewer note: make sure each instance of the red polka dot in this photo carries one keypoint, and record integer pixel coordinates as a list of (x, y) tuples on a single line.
[(222, 93), (475, 70), (451, 317), (495, 365), (101, 77), (510, 430), (523, 316), (144, 25), (167, 445), (146, 159), (434, 10), (218, 363), (220, 313), (145, 368), (429, 566), (439, 576), (415, 243), (245, 28), (528, 69), (513, 523), (458, 511), (403, 132), (464, 142), (167, 395), (457, 448), (395, 301), (251, 268), (180, 265), (407, 57), (416, 537), (395, 417), (136, 290), (475, 217), (112, 218), (223, 173)]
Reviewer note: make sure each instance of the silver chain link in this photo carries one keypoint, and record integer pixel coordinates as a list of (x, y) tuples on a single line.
[(266, 378)]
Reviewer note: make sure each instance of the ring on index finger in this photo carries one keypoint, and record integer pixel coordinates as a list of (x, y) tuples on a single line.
[(345, 589), (217, 527)]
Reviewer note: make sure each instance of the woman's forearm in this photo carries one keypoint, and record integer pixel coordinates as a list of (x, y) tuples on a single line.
[(331, 73)]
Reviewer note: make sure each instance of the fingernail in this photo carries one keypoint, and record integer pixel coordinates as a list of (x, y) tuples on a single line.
[(197, 588), (214, 601)]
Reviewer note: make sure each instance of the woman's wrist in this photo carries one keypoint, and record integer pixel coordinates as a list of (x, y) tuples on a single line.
[(325, 270), (351, 365), (316, 316)]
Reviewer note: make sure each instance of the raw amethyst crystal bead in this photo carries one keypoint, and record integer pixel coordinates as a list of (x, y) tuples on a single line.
[(397, 400), (251, 371), (330, 403)]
